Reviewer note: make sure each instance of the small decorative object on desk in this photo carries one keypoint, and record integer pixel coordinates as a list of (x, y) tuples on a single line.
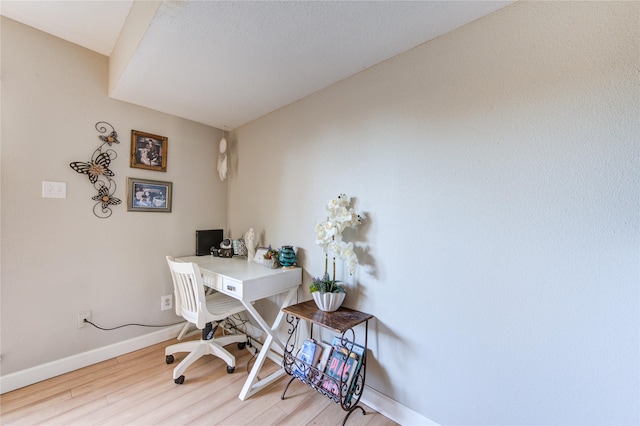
[(242, 247), (329, 237), (287, 256), (271, 258), (250, 241)]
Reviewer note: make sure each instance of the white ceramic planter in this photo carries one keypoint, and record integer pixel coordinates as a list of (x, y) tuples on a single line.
[(328, 302), (270, 263)]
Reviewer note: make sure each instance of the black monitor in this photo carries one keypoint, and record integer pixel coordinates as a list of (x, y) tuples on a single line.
[(205, 239)]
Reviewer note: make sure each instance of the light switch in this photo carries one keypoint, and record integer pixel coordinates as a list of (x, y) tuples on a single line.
[(54, 189)]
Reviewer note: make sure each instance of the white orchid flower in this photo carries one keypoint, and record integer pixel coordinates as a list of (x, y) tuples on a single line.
[(329, 232), (351, 266), (332, 205), (331, 228), (346, 251)]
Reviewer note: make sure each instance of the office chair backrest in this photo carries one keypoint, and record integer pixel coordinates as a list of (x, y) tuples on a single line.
[(189, 291), (176, 293)]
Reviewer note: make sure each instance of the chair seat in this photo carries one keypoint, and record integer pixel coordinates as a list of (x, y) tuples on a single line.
[(223, 305)]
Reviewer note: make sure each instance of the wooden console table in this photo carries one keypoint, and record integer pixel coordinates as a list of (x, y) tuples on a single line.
[(343, 390)]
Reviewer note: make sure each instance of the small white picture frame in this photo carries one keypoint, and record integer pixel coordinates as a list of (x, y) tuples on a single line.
[(260, 252)]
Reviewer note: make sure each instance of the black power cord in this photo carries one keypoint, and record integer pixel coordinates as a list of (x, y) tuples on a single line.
[(230, 321), (129, 325)]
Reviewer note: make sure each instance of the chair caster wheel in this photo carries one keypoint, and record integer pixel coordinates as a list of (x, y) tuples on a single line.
[(230, 369), (179, 380), (169, 359), (242, 345)]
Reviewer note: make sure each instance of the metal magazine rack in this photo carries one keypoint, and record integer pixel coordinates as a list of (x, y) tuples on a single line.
[(344, 383)]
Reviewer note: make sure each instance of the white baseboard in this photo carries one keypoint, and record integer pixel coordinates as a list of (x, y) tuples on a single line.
[(372, 398), (392, 409), (51, 369)]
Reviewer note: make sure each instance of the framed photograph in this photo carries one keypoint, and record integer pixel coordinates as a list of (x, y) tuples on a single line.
[(259, 257), (148, 151), (148, 195)]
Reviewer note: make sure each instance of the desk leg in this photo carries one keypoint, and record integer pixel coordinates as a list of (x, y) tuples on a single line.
[(252, 385)]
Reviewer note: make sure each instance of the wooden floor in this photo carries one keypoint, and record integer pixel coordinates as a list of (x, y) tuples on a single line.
[(138, 389)]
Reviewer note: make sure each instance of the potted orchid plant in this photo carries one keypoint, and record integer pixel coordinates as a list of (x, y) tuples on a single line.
[(327, 292)]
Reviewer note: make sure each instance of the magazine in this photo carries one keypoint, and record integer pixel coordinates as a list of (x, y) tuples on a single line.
[(343, 365), (308, 354)]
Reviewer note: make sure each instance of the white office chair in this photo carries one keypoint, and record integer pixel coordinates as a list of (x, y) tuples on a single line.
[(186, 330), (202, 311)]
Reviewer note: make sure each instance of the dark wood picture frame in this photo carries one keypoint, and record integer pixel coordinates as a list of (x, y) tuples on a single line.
[(148, 151), (145, 195)]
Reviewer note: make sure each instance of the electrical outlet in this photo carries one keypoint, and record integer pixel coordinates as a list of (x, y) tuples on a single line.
[(166, 302), (84, 315)]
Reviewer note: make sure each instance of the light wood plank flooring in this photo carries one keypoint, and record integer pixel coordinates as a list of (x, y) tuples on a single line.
[(138, 389)]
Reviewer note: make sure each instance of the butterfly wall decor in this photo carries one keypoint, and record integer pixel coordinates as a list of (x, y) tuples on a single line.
[(98, 172)]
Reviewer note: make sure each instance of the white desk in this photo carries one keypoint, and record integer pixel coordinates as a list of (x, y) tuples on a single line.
[(248, 282)]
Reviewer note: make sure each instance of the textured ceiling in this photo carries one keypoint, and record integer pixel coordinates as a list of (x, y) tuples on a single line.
[(227, 63)]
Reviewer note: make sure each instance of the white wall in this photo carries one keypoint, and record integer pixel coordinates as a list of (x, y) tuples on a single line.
[(498, 167), (57, 257)]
